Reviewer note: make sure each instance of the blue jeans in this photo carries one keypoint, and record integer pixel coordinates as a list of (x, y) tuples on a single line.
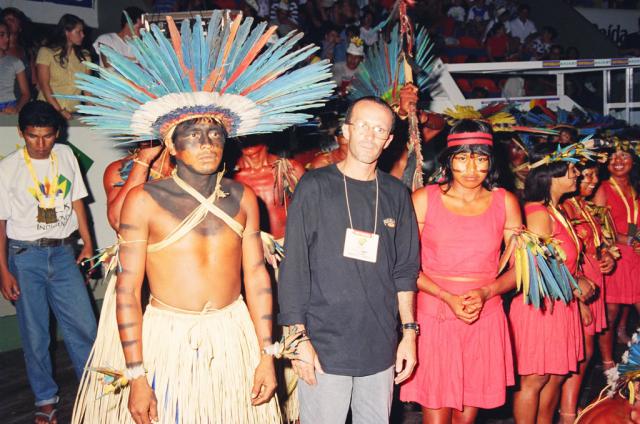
[(49, 278)]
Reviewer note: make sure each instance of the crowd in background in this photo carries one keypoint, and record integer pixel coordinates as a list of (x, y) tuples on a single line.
[(39, 61)]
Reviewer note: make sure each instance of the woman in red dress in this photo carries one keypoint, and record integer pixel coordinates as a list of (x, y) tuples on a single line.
[(464, 349), (619, 194), (596, 262), (548, 341)]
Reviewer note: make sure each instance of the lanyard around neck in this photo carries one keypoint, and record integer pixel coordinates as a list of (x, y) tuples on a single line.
[(618, 190), (53, 179), (346, 196), (563, 221)]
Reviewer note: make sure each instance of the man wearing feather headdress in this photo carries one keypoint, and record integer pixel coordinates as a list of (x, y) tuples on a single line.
[(195, 354)]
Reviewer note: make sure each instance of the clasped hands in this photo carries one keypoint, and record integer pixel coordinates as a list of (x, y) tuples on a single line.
[(467, 306)]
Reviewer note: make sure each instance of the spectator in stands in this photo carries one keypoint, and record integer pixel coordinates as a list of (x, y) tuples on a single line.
[(541, 44), (346, 36), (513, 87), (497, 44), (289, 6), (368, 35), (521, 27), (117, 40), (343, 13), (59, 61), (11, 70), (283, 18), (479, 12), (343, 72), (20, 41), (572, 52), (457, 11), (556, 52), (502, 16), (330, 41)]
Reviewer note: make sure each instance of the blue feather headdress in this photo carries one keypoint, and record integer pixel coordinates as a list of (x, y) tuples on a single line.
[(382, 73), (229, 74)]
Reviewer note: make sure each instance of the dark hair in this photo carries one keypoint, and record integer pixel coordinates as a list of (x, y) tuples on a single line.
[(16, 13), (135, 13), (634, 175), (445, 158), (327, 27), (373, 99), (59, 39), (3, 24), (551, 30), (25, 35), (524, 7), (537, 185), (353, 30), (494, 29), (38, 113)]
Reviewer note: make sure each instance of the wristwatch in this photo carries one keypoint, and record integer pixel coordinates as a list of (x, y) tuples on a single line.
[(412, 326)]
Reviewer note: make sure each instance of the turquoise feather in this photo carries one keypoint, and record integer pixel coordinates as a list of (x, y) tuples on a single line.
[(112, 96)]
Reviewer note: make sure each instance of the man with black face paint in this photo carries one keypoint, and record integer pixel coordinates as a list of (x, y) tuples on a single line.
[(195, 355), (212, 255)]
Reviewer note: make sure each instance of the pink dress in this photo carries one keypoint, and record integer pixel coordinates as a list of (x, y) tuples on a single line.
[(549, 340), (622, 284), (590, 265), (461, 364)]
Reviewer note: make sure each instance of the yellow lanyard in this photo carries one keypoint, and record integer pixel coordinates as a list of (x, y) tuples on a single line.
[(587, 216), (618, 190), (53, 188), (563, 221)]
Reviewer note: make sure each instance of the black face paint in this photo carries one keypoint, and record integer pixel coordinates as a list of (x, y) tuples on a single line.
[(198, 133)]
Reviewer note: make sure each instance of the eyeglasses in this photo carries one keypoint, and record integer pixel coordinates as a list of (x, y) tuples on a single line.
[(364, 127)]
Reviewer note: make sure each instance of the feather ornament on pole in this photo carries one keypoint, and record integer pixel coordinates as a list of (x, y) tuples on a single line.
[(229, 75), (389, 67)]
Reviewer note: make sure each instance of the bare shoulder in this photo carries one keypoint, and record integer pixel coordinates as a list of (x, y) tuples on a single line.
[(111, 174), (511, 201), (137, 199), (538, 219), (600, 198), (235, 189)]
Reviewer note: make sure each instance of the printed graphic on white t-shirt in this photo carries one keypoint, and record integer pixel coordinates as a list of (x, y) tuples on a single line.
[(19, 201)]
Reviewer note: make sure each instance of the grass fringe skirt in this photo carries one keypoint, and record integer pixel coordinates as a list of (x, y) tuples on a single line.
[(200, 366)]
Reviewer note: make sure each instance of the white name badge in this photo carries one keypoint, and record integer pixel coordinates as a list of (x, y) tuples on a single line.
[(361, 245)]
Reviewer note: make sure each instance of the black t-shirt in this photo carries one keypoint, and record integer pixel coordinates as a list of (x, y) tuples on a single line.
[(349, 307)]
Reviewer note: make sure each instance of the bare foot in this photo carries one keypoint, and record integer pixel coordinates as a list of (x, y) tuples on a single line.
[(47, 414)]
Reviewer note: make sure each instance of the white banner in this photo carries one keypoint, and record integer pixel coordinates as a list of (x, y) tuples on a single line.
[(50, 11), (614, 23)]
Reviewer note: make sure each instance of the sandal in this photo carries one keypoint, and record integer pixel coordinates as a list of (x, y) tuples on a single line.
[(49, 417)]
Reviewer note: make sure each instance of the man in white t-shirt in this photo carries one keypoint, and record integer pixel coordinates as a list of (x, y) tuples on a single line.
[(343, 72), (41, 207), (521, 27), (116, 40)]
